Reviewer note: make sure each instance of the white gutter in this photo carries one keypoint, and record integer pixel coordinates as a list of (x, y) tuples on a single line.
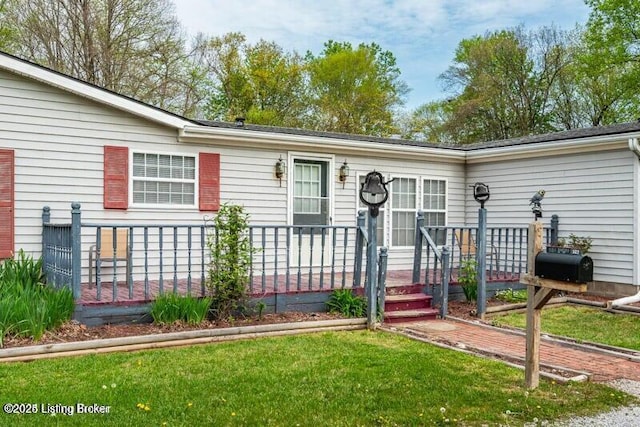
[(634, 146), (237, 137)]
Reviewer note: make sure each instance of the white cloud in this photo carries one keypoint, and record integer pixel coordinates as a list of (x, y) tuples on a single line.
[(422, 34)]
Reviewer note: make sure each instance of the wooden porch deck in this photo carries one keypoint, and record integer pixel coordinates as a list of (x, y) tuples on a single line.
[(141, 292)]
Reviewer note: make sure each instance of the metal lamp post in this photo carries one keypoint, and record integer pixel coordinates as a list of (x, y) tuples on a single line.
[(373, 193), (481, 194)]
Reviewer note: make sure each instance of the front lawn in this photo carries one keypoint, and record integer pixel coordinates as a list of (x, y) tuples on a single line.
[(324, 379)]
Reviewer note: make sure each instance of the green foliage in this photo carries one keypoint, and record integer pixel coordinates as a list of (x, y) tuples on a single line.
[(509, 295), (171, 308), (468, 279), (345, 302), (577, 242), (231, 253), (28, 308)]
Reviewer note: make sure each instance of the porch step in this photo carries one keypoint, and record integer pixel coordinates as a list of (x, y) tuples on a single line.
[(402, 302), (408, 305), (410, 315)]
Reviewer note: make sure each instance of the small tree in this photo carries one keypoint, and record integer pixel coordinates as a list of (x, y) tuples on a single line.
[(231, 252)]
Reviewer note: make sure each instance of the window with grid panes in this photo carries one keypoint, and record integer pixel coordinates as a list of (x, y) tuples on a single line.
[(434, 206), (164, 179), (403, 211), (381, 214)]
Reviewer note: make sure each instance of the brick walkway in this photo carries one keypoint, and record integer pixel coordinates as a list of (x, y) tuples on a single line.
[(601, 366)]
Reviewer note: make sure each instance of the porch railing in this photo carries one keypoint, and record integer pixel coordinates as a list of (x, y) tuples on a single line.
[(175, 257), (436, 265)]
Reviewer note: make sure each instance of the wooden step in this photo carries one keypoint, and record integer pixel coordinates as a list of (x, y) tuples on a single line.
[(407, 316), (404, 289), (406, 302)]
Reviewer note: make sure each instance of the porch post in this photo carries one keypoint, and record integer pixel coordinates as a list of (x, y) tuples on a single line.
[(46, 219), (76, 251), (372, 274), (446, 263), (417, 248), (481, 240), (555, 221)]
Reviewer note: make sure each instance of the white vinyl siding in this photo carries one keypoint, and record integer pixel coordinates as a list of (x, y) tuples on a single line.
[(163, 179), (592, 194)]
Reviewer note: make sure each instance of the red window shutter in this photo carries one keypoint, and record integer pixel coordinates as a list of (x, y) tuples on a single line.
[(7, 231), (116, 177), (209, 179)]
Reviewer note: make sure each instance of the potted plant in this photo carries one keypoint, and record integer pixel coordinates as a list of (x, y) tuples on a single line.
[(578, 245)]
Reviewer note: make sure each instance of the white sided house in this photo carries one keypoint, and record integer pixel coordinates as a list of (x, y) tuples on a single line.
[(64, 141)]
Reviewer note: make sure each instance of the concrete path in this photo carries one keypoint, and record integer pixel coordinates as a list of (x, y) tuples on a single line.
[(603, 366)]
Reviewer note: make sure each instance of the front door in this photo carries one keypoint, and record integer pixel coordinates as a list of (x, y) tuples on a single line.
[(311, 205)]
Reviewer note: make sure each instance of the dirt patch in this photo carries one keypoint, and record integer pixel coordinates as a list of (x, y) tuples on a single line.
[(74, 331)]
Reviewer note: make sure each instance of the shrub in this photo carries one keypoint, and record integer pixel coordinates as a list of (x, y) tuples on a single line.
[(345, 302), (231, 252), (28, 308), (171, 308), (577, 242), (509, 295), (468, 279)]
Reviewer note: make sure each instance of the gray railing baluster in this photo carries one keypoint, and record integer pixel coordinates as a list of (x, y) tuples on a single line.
[(189, 260), (264, 260), (114, 282), (146, 261), (299, 280), (98, 264), (311, 258), (334, 236), (160, 246), (175, 259), (202, 246), (322, 246), (288, 260), (275, 258), (344, 257), (130, 263), (251, 243)]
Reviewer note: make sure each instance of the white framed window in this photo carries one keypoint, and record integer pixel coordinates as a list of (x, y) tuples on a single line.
[(380, 229), (434, 205), (404, 202), (163, 179)]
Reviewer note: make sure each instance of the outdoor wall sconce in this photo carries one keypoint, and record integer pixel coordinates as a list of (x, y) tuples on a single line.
[(280, 169), (481, 193), (344, 173), (373, 192)]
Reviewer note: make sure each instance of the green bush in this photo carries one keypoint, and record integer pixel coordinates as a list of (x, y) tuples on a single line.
[(171, 308), (468, 279), (231, 254), (509, 295), (28, 308), (345, 302)]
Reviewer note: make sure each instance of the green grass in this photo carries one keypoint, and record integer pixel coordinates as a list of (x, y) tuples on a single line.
[(584, 324), (325, 379)]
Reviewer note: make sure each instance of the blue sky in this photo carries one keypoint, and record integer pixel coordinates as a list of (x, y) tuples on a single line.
[(422, 34)]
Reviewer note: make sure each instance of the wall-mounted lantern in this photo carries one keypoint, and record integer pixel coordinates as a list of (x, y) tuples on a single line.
[(343, 174), (280, 170)]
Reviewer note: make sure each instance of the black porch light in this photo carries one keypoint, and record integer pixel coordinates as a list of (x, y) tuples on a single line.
[(481, 193), (373, 192)]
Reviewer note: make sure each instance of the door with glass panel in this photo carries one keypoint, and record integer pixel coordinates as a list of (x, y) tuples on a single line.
[(311, 206)]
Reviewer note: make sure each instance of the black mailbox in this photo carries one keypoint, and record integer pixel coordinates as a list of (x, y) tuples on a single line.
[(564, 267)]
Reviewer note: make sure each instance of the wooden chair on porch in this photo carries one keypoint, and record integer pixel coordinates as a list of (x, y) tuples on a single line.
[(122, 252), (468, 248)]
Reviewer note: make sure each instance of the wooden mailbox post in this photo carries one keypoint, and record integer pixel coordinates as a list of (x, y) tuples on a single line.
[(539, 292)]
